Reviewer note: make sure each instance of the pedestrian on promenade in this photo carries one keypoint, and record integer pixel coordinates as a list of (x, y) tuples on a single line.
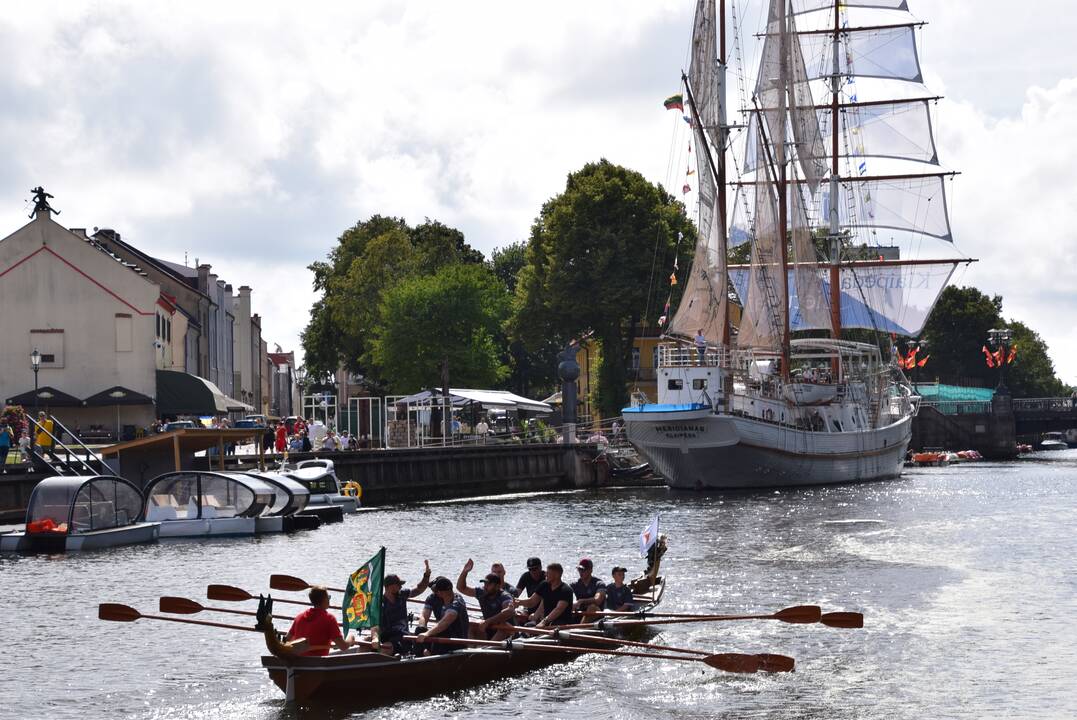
[(281, 438), (43, 438), (701, 345), (24, 445), (7, 439)]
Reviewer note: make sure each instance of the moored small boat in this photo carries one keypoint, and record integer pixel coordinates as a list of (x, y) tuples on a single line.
[(202, 503), (319, 476), (83, 512)]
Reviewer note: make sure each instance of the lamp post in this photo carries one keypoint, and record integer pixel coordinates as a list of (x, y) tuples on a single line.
[(301, 383), (35, 365), (1000, 338)]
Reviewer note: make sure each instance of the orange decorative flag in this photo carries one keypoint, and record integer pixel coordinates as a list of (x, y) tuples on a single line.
[(989, 356), (1000, 357), (673, 278), (923, 361), (1013, 354)]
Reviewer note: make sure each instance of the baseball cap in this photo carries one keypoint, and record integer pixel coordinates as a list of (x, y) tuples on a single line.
[(618, 568), (492, 578), (585, 564), (533, 562), (440, 584), (392, 580)]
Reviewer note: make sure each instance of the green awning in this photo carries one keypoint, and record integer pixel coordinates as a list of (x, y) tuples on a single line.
[(180, 393)]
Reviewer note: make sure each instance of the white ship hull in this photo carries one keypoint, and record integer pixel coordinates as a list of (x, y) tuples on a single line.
[(703, 450)]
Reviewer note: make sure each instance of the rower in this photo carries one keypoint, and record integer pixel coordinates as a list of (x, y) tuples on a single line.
[(394, 611), (499, 570), (494, 602), (449, 610), (619, 595), (317, 626), (552, 599), (531, 579), (590, 592)]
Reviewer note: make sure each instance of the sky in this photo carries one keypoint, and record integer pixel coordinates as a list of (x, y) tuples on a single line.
[(251, 135)]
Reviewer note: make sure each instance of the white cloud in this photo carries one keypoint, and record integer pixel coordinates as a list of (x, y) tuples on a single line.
[(252, 134)]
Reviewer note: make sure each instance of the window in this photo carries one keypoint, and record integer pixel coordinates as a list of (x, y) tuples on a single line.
[(157, 330), (654, 356), (124, 333), (48, 359), (675, 385), (699, 384), (168, 329), (635, 358)]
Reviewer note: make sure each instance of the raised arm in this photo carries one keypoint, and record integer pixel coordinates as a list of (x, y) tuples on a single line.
[(461, 581), (425, 582)]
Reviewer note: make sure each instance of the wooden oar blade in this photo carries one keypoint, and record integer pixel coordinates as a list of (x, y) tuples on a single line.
[(843, 619), (775, 663), (117, 612), (734, 662), (227, 593), (800, 614), (288, 583), (179, 606)]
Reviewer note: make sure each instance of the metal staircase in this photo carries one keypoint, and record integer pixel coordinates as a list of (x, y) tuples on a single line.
[(62, 459)]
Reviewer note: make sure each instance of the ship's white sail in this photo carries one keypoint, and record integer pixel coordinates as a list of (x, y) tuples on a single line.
[(703, 303)]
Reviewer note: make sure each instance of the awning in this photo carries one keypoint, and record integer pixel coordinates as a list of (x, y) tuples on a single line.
[(45, 396), (486, 398), (118, 395), (180, 393)]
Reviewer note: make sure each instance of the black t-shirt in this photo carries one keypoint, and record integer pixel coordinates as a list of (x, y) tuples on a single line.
[(528, 583), (588, 589), (550, 598), (491, 603), (394, 615), (617, 596), (458, 628)]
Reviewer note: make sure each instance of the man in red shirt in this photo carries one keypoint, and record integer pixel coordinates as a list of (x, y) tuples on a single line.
[(318, 627)]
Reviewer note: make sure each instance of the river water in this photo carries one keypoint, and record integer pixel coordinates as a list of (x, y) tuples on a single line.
[(965, 575)]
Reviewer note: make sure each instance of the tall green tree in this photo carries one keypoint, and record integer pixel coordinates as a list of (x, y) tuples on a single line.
[(368, 259), (597, 257), (1032, 374), (454, 316), (957, 332)]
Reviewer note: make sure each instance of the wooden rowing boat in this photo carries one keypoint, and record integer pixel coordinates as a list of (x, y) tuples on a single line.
[(367, 679)]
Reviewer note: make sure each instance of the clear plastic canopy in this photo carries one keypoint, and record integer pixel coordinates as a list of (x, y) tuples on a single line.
[(206, 496), (81, 504)]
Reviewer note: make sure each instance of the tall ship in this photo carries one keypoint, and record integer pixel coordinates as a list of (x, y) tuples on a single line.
[(830, 188)]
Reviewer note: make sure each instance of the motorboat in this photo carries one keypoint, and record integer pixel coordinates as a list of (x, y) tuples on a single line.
[(199, 504), (320, 478), (286, 514), (83, 512), (1053, 441)]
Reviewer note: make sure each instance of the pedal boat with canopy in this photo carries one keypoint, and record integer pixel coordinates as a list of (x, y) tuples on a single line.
[(81, 512), (200, 504)]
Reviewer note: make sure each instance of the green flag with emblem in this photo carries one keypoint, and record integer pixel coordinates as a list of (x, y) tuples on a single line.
[(362, 600)]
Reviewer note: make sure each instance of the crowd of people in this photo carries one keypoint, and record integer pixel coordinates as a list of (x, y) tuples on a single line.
[(540, 598), (18, 434)]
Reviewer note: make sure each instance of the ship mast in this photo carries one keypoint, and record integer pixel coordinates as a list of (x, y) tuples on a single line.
[(723, 134), (834, 234), (783, 210)]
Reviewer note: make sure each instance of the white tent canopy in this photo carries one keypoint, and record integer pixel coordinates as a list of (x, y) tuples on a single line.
[(486, 398)]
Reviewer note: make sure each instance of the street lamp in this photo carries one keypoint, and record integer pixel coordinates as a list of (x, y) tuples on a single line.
[(301, 382), (35, 365), (1000, 338)]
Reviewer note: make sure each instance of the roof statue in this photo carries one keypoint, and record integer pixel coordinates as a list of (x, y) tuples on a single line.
[(41, 201)]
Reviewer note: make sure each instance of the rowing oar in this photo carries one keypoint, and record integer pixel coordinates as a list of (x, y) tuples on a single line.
[(768, 662), (183, 606), (290, 583), (799, 614), (227, 593), (124, 613), (730, 662)]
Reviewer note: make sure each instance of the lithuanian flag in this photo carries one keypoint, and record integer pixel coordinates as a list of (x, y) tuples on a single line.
[(674, 102)]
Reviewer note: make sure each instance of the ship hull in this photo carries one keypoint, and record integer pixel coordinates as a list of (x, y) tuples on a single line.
[(715, 451)]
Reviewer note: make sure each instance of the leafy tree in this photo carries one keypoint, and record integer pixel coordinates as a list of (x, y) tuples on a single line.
[(956, 331), (453, 316), (507, 262), (596, 253), (369, 258), (1032, 374)]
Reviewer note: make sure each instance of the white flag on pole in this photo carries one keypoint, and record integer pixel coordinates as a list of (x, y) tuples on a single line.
[(648, 537)]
